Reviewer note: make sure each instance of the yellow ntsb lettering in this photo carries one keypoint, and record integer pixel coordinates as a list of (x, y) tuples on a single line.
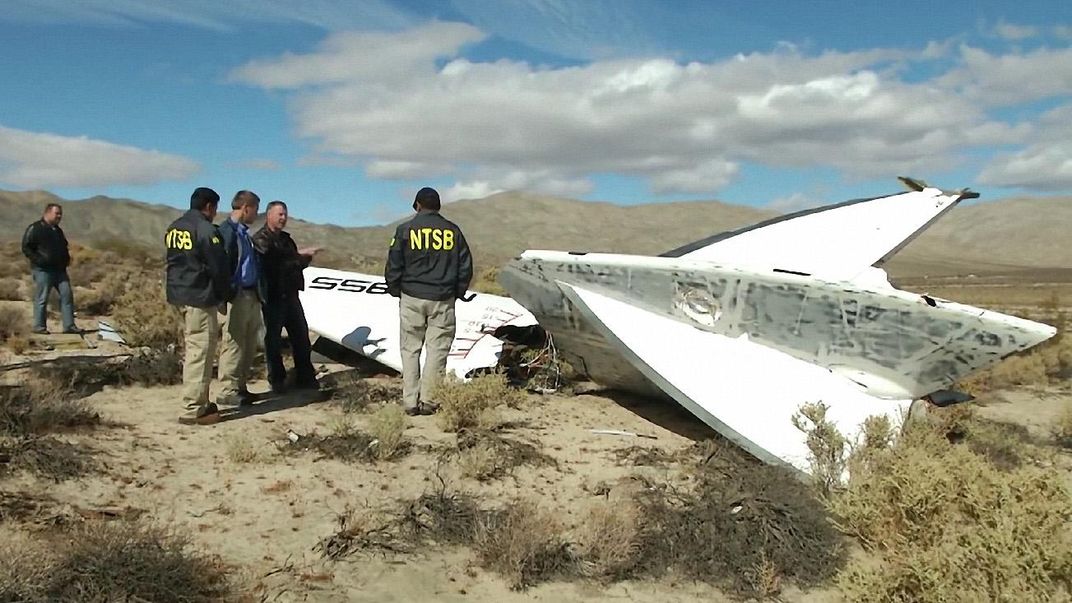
[(437, 239), (179, 239)]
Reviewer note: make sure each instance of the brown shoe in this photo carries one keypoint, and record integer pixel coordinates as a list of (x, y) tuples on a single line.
[(206, 414), (420, 410)]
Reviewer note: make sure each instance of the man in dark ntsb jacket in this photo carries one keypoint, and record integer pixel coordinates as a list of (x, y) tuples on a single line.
[(198, 282), (45, 246), (428, 267)]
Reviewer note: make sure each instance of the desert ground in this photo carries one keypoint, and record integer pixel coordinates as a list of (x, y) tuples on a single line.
[(512, 497)]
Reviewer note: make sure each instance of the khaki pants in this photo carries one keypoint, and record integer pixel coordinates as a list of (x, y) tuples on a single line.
[(238, 343), (424, 323), (200, 340)]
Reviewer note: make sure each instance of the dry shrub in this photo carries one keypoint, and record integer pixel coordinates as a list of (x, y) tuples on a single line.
[(19, 506), (608, 539), (525, 544), (362, 530), (1005, 445), (827, 448), (644, 456), (42, 406), (13, 324), (388, 427), (1062, 429), (11, 289), (356, 394), (485, 455), (145, 366), (346, 443), (471, 404), (739, 519), (110, 561), (442, 517), (144, 318), (45, 456), (487, 281), (241, 449), (949, 525)]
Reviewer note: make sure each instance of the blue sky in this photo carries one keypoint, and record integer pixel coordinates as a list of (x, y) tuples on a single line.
[(345, 109)]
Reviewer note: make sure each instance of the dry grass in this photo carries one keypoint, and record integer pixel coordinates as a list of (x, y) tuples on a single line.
[(388, 428), (525, 544), (109, 561), (609, 539), (13, 324), (11, 290), (41, 406), (144, 318), (241, 449), (347, 443), (472, 404), (949, 524), (485, 455), (739, 524), (1062, 429), (355, 393), (827, 447)]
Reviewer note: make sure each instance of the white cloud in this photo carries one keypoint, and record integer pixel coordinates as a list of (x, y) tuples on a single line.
[(469, 190), (39, 160), (1046, 164), (1015, 33), (1008, 79), (363, 57), (794, 202), (408, 102)]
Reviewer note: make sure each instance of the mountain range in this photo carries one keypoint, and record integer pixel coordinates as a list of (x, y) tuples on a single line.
[(981, 237)]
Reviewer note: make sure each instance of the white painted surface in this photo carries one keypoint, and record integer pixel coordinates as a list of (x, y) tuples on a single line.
[(354, 310), (838, 243), (745, 391)]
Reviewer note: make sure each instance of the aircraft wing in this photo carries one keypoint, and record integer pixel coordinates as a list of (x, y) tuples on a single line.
[(838, 242), (355, 311), (745, 391)]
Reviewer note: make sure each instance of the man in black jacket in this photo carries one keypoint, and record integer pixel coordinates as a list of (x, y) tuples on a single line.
[(428, 267), (46, 247), (198, 282), (282, 264)]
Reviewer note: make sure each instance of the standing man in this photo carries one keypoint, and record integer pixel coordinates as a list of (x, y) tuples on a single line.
[(282, 264), (199, 282), (428, 267), (242, 319), (46, 247)]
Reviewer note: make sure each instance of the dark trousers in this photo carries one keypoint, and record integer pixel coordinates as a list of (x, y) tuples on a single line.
[(287, 312), (44, 282)]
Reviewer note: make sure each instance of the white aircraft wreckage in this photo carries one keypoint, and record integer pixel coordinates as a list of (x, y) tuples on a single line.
[(741, 329)]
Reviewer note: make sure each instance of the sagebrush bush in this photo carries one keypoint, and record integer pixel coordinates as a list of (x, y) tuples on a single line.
[(471, 404), (13, 324), (110, 561), (828, 449), (11, 289), (947, 524), (525, 544), (144, 318), (388, 426), (608, 539), (1062, 429)]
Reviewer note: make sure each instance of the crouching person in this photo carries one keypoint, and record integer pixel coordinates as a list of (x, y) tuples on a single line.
[(199, 283)]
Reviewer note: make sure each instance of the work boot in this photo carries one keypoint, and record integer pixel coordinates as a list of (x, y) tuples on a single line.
[(205, 414), (421, 410)]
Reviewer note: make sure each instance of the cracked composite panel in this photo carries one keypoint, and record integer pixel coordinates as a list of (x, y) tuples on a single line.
[(893, 342)]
